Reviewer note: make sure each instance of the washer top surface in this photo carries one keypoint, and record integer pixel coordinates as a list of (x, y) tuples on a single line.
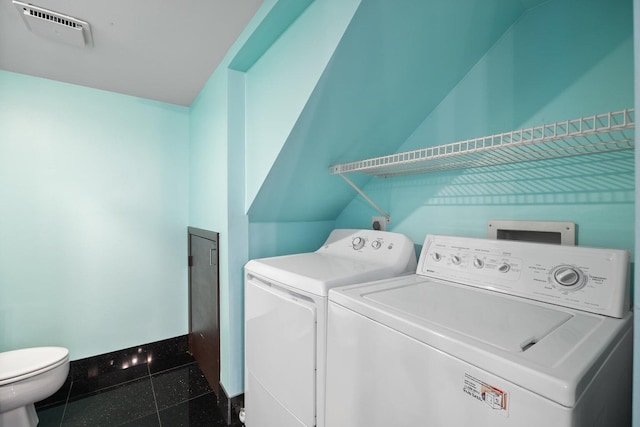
[(531, 323), (348, 256), (552, 351)]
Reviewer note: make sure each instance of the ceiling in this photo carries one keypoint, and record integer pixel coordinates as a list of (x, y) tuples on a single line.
[(163, 51)]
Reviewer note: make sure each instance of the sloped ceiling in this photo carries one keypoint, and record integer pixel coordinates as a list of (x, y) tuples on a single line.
[(394, 64)]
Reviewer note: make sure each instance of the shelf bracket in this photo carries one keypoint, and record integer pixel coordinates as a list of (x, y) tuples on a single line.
[(371, 202)]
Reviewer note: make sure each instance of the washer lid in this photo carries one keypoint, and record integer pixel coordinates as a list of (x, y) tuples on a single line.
[(317, 272), (552, 351), (19, 363), (507, 324)]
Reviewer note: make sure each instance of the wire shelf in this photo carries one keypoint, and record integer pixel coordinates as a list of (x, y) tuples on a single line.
[(587, 135)]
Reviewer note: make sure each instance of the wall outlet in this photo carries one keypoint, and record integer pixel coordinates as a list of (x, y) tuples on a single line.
[(379, 223)]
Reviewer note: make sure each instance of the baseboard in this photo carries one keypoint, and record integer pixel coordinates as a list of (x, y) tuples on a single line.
[(101, 371), (91, 374), (160, 355)]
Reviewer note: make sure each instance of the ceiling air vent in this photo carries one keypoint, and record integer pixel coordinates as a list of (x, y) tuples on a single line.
[(54, 25)]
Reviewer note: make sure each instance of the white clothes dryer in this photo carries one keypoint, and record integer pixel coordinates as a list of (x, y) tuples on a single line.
[(285, 320), (486, 333)]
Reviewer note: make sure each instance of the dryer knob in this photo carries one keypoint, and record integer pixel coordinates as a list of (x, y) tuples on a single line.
[(357, 243), (436, 256), (478, 263), (456, 259), (376, 244)]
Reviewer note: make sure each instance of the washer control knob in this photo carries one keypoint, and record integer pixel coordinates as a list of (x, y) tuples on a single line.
[(478, 263), (456, 259), (504, 268), (566, 276), (436, 256), (357, 243), (376, 244)]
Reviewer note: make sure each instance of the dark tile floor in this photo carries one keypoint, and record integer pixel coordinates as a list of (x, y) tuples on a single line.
[(141, 387)]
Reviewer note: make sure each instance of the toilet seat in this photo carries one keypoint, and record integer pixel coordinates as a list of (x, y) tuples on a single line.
[(17, 365)]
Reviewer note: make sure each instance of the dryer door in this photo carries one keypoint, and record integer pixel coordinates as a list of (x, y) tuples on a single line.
[(280, 348)]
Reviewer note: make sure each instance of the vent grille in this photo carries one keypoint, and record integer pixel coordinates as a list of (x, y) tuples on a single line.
[(55, 26), (50, 17)]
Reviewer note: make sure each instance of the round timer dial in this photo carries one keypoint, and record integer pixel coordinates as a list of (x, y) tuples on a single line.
[(568, 278)]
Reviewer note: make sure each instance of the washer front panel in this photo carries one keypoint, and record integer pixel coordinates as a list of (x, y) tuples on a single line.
[(590, 279)]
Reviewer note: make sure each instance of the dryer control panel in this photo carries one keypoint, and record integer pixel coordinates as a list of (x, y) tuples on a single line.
[(394, 250), (590, 279)]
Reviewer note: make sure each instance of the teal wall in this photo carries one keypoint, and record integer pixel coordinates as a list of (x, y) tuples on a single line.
[(392, 85), (636, 320), (283, 238), (389, 70), (307, 84), (93, 216), (279, 84), (574, 67), (238, 123), (216, 183), (208, 190), (278, 87)]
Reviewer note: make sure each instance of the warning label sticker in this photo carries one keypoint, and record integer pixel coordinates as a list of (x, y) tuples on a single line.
[(493, 397)]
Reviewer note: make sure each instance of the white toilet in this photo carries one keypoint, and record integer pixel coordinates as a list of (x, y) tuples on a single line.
[(28, 376)]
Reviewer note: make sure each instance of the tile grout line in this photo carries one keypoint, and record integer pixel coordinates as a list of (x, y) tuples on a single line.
[(153, 390), (162, 371), (64, 411), (173, 405)]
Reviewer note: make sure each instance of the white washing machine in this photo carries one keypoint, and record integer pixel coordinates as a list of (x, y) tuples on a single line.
[(487, 333), (285, 320)]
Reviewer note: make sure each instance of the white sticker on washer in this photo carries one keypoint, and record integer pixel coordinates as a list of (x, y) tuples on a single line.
[(492, 397)]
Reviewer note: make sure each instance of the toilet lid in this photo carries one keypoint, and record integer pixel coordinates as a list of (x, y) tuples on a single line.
[(19, 363)]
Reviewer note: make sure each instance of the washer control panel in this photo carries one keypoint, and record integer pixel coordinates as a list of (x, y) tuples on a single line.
[(590, 279)]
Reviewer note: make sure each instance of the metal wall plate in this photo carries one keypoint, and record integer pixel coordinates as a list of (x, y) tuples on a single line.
[(558, 232)]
